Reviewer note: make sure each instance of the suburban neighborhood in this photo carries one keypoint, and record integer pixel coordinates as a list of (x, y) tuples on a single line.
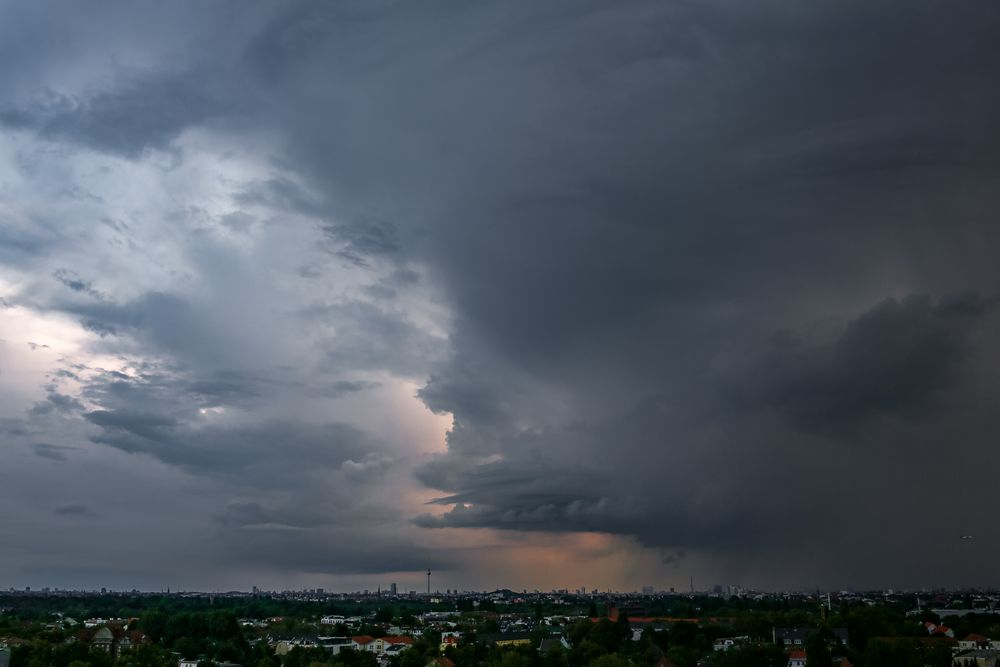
[(499, 629)]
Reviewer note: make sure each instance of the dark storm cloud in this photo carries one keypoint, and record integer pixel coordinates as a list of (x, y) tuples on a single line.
[(719, 277), (276, 449), (353, 242), (896, 358), (686, 248), (147, 112), (162, 414)]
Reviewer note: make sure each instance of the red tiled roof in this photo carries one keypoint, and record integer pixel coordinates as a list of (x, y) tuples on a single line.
[(796, 654), (398, 639), (362, 639)]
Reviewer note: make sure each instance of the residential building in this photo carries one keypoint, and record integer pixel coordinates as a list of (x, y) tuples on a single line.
[(363, 643), (103, 639), (382, 644), (982, 657), (973, 641)]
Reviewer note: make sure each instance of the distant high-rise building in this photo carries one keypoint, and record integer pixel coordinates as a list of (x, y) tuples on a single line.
[(392, 589), (647, 590)]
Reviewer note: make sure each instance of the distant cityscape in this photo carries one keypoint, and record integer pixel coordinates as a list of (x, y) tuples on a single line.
[(386, 627), (392, 590)]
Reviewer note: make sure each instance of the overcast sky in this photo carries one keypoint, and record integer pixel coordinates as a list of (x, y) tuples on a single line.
[(535, 294)]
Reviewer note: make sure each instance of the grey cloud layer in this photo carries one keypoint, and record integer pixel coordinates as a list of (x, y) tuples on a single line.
[(718, 277), (707, 262)]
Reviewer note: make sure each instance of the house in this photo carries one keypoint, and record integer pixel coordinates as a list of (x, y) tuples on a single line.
[(797, 636), (382, 644), (394, 649), (934, 629), (726, 643), (552, 643), (664, 661), (796, 658), (973, 641), (187, 663), (944, 631), (449, 639), (284, 646), (335, 644), (981, 657), (363, 643)]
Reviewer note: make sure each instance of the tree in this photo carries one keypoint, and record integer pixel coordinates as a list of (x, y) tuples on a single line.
[(154, 624), (624, 628), (187, 647), (752, 656), (612, 660), (817, 653), (607, 635)]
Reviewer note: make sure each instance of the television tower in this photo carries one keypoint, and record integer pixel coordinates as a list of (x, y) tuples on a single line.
[(428, 581)]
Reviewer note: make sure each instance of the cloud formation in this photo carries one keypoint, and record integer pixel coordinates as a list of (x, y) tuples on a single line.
[(714, 282)]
